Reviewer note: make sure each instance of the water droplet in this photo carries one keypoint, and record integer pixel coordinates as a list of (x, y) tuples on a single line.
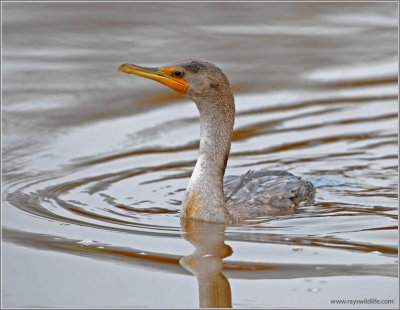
[(142, 253), (314, 290), (86, 242), (286, 239), (297, 249)]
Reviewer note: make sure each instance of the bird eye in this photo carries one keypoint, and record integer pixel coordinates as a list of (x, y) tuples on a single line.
[(178, 73)]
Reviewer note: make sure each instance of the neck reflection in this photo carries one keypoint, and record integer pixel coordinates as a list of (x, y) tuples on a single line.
[(206, 261)]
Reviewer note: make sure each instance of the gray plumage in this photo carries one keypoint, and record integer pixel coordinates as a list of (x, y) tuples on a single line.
[(265, 192)]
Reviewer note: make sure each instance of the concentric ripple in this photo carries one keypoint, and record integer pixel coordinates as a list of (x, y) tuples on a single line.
[(95, 165), (138, 188)]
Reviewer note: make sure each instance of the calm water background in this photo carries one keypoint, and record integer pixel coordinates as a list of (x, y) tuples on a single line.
[(95, 164)]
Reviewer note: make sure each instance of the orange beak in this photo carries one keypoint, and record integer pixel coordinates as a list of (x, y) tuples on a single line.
[(164, 76)]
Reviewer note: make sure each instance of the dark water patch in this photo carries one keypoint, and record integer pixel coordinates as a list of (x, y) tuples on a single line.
[(170, 263), (312, 142), (318, 102), (388, 80), (191, 146)]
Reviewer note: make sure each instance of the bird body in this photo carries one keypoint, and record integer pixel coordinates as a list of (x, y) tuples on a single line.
[(209, 196), (265, 192)]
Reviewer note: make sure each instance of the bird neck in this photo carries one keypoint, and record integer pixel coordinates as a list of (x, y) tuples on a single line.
[(205, 195)]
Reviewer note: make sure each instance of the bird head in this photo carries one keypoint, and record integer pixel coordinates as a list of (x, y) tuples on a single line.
[(194, 78)]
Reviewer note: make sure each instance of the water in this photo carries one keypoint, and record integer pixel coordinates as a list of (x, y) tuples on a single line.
[(95, 164)]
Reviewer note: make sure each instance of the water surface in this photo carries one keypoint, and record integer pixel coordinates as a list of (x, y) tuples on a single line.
[(95, 164)]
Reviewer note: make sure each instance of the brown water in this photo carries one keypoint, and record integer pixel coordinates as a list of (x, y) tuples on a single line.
[(95, 164)]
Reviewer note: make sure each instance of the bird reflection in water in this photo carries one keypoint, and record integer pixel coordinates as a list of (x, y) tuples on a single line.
[(206, 261)]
